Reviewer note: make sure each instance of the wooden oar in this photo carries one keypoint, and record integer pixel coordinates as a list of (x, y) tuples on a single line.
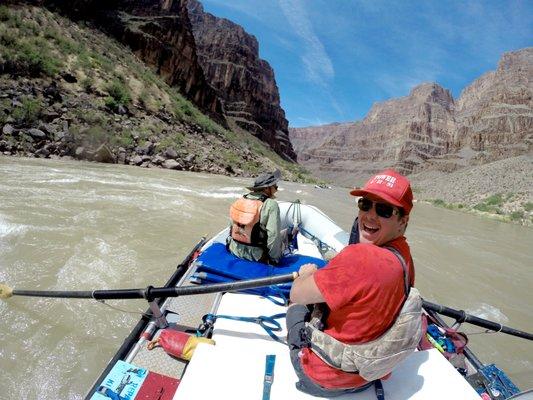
[(461, 316), (150, 292)]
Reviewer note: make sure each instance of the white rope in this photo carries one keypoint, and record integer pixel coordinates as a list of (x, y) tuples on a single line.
[(121, 309), (485, 331)]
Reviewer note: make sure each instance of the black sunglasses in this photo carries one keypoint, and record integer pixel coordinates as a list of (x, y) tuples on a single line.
[(382, 210)]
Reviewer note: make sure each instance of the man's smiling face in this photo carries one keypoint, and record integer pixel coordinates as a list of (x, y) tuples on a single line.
[(379, 230)]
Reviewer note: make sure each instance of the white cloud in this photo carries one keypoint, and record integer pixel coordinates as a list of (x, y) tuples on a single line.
[(317, 63), (302, 122)]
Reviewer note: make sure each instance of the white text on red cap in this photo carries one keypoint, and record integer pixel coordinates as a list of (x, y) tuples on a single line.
[(380, 179)]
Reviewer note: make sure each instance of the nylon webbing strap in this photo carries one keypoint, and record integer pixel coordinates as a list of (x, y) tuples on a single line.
[(269, 375), (269, 324), (378, 387), (407, 287)]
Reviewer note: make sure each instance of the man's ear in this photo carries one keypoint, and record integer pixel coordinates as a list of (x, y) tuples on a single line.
[(404, 220)]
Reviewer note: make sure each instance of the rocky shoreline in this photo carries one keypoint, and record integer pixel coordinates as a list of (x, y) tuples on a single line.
[(502, 189), (46, 120)]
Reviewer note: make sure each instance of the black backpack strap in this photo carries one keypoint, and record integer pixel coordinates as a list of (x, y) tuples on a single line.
[(354, 233), (378, 387), (394, 251)]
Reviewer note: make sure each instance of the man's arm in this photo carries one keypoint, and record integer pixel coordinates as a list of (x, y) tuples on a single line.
[(304, 289), (272, 225)]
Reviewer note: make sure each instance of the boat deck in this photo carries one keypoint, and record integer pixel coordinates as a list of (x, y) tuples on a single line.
[(185, 312), (235, 366)]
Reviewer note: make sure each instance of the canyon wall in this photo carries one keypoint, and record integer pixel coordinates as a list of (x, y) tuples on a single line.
[(492, 119)]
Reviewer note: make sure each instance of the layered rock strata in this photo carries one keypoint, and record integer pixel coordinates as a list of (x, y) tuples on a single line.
[(212, 61), (159, 32), (428, 129), (246, 84), (82, 95), (495, 113)]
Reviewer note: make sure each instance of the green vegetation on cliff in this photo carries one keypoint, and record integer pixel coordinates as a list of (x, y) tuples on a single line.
[(505, 207), (66, 89)]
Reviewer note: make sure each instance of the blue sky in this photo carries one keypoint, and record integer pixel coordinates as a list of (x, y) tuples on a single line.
[(334, 59)]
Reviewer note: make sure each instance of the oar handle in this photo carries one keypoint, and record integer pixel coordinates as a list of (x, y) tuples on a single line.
[(461, 316), (150, 293)]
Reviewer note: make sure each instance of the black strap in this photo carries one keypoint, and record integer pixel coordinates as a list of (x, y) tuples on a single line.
[(268, 323), (407, 286), (354, 234), (378, 386)]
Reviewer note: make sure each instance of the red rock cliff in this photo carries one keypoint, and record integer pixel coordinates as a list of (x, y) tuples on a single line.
[(213, 61), (159, 32), (246, 84), (491, 120)]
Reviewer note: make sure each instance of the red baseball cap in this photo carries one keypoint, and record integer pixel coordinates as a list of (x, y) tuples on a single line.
[(390, 186)]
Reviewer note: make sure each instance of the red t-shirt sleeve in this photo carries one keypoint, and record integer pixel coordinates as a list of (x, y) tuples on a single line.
[(337, 281)]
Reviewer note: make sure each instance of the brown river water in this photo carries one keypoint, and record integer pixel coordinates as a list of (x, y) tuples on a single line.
[(82, 226)]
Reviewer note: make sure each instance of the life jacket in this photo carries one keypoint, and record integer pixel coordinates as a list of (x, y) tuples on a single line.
[(373, 360), (245, 227)]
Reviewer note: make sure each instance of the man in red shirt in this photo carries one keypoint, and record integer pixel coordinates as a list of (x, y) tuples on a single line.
[(364, 286)]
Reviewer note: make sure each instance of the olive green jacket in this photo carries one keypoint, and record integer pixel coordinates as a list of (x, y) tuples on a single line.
[(270, 222)]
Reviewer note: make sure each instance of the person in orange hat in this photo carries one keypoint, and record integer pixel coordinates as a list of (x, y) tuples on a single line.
[(364, 287)]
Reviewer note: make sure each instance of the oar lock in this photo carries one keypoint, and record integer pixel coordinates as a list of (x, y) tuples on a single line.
[(147, 293), (462, 318), (158, 315)]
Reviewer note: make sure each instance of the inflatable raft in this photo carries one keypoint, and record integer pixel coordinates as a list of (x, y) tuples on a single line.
[(249, 359)]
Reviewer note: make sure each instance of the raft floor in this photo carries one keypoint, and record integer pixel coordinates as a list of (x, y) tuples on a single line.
[(235, 366)]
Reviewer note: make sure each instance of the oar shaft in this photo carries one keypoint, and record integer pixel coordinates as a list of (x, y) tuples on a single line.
[(83, 294), (218, 287), (54, 293), (151, 293), (233, 286), (462, 316)]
